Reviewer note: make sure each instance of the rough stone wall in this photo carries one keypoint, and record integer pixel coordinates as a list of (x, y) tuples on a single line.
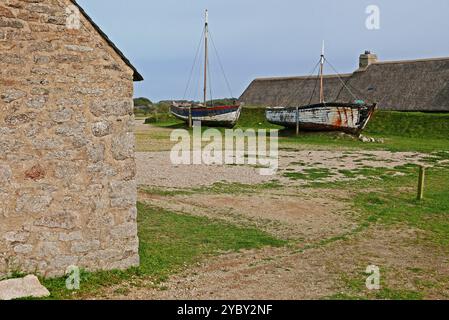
[(67, 167)]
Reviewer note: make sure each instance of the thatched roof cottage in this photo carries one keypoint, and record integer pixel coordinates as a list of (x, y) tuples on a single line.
[(412, 85)]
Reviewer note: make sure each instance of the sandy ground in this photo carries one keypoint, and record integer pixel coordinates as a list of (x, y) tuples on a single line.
[(315, 273), (156, 168), (290, 215), (307, 270)]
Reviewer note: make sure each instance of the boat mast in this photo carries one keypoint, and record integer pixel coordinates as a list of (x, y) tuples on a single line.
[(321, 75), (206, 35)]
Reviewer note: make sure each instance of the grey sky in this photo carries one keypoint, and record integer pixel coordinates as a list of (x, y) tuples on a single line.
[(263, 37)]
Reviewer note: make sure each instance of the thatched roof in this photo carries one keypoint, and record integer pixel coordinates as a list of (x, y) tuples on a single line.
[(414, 85)]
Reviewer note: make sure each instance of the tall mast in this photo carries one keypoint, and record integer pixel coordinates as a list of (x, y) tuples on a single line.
[(321, 75), (206, 35)]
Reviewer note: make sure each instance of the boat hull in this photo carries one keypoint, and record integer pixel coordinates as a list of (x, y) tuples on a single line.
[(222, 116), (345, 117)]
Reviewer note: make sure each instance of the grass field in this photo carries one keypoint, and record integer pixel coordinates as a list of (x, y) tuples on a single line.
[(414, 131), (173, 240), (168, 243), (384, 199)]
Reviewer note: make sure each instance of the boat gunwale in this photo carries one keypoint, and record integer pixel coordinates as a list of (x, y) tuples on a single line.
[(325, 104), (230, 107), (211, 122)]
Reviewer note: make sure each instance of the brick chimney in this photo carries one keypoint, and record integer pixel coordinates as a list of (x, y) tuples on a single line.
[(366, 59)]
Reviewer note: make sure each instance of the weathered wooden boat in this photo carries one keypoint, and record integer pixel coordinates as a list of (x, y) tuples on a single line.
[(349, 117), (220, 116), (213, 116), (333, 116)]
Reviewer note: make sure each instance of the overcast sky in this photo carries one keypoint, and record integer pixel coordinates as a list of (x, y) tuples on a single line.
[(257, 38)]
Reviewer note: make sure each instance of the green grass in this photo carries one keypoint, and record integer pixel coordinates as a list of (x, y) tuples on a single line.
[(401, 131), (328, 141), (397, 204), (250, 118), (409, 125), (216, 188), (172, 123), (355, 285), (398, 294), (392, 202), (392, 199), (162, 118), (255, 118), (433, 126), (311, 174), (169, 242), (380, 173)]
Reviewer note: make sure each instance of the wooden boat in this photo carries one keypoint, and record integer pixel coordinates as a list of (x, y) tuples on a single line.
[(346, 117), (213, 116), (220, 116), (351, 117)]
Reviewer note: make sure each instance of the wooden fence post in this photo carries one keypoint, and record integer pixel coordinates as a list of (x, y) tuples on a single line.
[(422, 177)]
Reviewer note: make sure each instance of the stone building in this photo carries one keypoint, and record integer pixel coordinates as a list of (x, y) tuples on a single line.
[(413, 85), (67, 167)]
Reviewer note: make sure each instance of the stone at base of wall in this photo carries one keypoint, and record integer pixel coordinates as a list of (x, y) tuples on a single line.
[(123, 257), (28, 287)]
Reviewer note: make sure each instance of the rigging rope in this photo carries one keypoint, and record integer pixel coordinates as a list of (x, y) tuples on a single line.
[(314, 88), (197, 92), (290, 97), (194, 63), (339, 77), (210, 84), (341, 90), (221, 64)]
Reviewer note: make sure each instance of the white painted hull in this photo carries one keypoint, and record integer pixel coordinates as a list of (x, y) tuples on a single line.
[(324, 117), (227, 119)]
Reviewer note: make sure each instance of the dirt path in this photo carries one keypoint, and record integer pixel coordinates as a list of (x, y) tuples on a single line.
[(300, 215), (316, 273), (330, 253)]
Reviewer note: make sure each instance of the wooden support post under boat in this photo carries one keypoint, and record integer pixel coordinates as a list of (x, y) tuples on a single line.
[(297, 121), (422, 177), (190, 117)]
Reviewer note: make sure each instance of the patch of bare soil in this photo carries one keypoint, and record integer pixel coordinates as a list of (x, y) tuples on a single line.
[(314, 273), (292, 215)]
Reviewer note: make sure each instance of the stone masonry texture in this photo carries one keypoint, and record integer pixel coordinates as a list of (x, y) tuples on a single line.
[(67, 166)]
